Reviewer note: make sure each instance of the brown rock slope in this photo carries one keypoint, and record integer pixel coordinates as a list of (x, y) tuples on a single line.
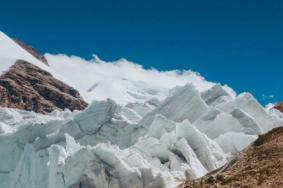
[(25, 86), (279, 106), (260, 166)]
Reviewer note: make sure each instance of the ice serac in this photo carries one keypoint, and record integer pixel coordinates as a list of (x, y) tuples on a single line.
[(234, 142), (144, 108), (173, 152), (259, 165), (20, 164), (196, 168), (248, 104), (221, 123), (103, 145), (16, 141), (249, 125), (101, 166), (52, 146), (185, 100), (216, 122), (102, 121), (160, 125), (216, 95), (207, 150), (106, 122)]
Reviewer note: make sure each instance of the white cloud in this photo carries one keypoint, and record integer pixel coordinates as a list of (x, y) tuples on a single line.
[(121, 80)]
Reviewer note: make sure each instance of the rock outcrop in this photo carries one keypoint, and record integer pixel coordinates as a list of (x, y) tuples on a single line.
[(260, 165), (279, 107), (25, 86)]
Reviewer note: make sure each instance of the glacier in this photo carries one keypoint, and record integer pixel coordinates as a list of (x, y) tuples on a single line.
[(150, 144)]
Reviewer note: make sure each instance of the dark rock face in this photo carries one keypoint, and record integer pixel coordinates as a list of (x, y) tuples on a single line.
[(32, 51), (25, 86), (279, 107), (260, 165)]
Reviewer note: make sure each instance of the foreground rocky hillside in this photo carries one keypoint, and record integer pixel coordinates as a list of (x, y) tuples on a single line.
[(28, 87), (260, 165)]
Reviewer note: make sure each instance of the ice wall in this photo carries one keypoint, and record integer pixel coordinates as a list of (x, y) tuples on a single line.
[(145, 145)]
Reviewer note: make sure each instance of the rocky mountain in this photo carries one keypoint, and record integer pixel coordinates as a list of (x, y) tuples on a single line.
[(260, 165)]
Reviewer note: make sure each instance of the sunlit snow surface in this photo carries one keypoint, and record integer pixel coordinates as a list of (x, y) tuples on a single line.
[(10, 51), (156, 130)]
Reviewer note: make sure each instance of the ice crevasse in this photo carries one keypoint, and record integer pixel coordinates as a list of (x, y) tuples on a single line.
[(141, 145)]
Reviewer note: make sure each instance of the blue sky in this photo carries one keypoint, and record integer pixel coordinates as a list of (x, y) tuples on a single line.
[(236, 42)]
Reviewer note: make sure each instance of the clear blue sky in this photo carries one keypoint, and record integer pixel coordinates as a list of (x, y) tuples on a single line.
[(237, 42)]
